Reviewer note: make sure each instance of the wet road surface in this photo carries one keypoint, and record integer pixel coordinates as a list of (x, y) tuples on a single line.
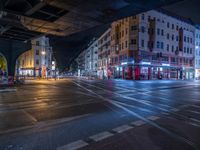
[(103, 115)]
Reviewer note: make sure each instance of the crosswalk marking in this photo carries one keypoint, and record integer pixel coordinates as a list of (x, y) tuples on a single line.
[(101, 136), (74, 145), (122, 128), (138, 123)]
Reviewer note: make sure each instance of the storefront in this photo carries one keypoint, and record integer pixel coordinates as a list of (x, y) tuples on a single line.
[(188, 73), (197, 74), (3, 70)]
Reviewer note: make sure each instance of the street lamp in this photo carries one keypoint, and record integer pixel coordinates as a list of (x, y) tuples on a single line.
[(43, 52)]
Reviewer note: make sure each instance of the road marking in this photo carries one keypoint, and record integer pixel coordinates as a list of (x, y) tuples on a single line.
[(153, 118), (138, 123), (8, 90), (195, 120), (122, 128), (192, 111), (165, 113), (175, 109), (101, 136), (165, 105), (129, 98), (196, 106), (114, 102), (194, 124), (30, 116), (74, 145)]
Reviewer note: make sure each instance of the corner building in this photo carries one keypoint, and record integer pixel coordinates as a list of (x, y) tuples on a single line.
[(152, 45)]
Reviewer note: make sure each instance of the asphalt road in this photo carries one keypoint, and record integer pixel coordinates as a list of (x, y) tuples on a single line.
[(101, 115)]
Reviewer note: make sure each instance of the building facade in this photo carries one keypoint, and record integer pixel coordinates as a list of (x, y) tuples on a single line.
[(197, 52), (152, 45), (87, 60), (104, 55), (81, 63), (91, 57), (36, 62)]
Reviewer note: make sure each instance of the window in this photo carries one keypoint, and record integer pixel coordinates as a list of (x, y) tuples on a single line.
[(190, 50), (133, 28), (133, 41), (142, 43), (172, 48), (184, 38), (158, 31), (142, 29), (162, 32), (167, 47), (177, 38), (37, 52), (142, 16), (172, 26), (177, 28), (126, 44), (37, 43), (168, 25), (37, 61), (172, 37), (162, 45), (168, 36), (126, 30), (184, 49), (158, 44)]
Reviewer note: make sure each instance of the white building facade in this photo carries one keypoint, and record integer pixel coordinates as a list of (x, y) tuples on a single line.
[(91, 57), (197, 52), (36, 62), (87, 60), (104, 54)]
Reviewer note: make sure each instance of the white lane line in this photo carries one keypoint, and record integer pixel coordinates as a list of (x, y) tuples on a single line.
[(165, 105), (192, 111), (74, 145), (175, 109), (165, 113), (195, 120), (101, 136), (153, 118), (122, 128), (8, 90), (196, 106), (138, 123), (30, 116)]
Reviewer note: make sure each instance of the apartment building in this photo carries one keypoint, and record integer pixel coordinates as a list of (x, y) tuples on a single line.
[(91, 56), (87, 60), (197, 52), (36, 62), (104, 55), (152, 45)]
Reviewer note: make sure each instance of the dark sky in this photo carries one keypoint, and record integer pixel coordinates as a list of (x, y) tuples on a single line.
[(187, 8)]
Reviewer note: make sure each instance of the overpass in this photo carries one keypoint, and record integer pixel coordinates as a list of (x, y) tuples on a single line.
[(69, 24)]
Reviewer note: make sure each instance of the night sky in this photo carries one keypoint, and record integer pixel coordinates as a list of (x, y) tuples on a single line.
[(187, 8)]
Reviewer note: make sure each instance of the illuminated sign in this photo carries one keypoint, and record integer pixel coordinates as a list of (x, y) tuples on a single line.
[(124, 63), (166, 65), (146, 63)]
